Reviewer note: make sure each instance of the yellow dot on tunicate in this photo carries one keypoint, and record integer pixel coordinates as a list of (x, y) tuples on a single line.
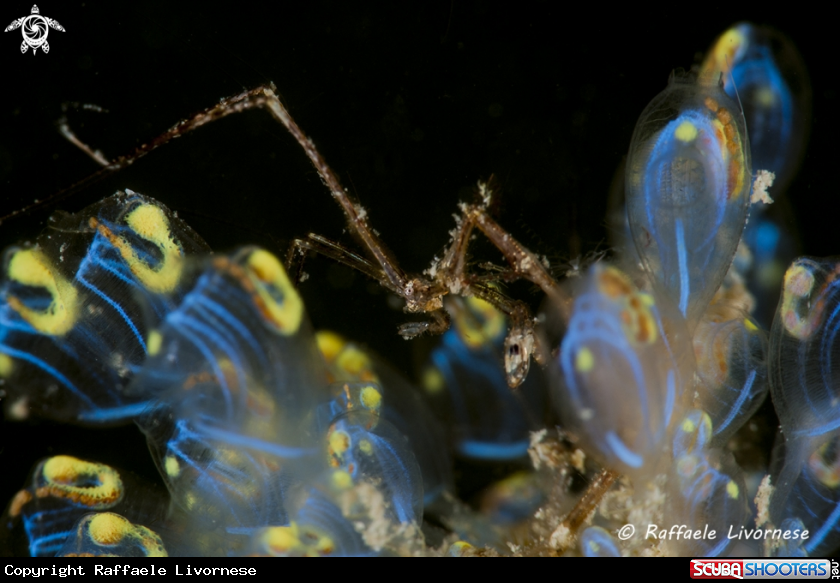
[(7, 365), (371, 398), (585, 360), (458, 548), (355, 362), (281, 539), (324, 546), (330, 344), (766, 96), (646, 299), (366, 447), (172, 467), (733, 37), (686, 132), (688, 425), (280, 299), (433, 380), (63, 469), (480, 323), (107, 528), (748, 324), (151, 223), (154, 342), (341, 480), (732, 490), (339, 441), (720, 58), (32, 268)]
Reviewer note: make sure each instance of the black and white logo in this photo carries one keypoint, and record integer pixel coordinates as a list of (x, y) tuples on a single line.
[(35, 29)]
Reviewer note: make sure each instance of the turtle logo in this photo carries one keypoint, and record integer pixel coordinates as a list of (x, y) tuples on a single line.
[(35, 28)]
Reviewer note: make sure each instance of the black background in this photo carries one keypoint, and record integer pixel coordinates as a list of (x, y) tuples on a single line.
[(410, 103)]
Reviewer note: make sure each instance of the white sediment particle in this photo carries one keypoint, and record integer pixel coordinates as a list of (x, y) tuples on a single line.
[(762, 501), (485, 193), (649, 511), (537, 436), (762, 515), (561, 538), (623, 505), (376, 528), (533, 448), (19, 410), (578, 459), (433, 269), (763, 180)]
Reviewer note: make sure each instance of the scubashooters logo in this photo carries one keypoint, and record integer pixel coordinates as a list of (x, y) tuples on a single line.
[(761, 569), (35, 29)]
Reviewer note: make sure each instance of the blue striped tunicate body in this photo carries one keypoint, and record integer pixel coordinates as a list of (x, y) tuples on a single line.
[(77, 307), (236, 378), (732, 384), (803, 360), (465, 383), (688, 183), (622, 371), (62, 490), (762, 69), (706, 491)]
